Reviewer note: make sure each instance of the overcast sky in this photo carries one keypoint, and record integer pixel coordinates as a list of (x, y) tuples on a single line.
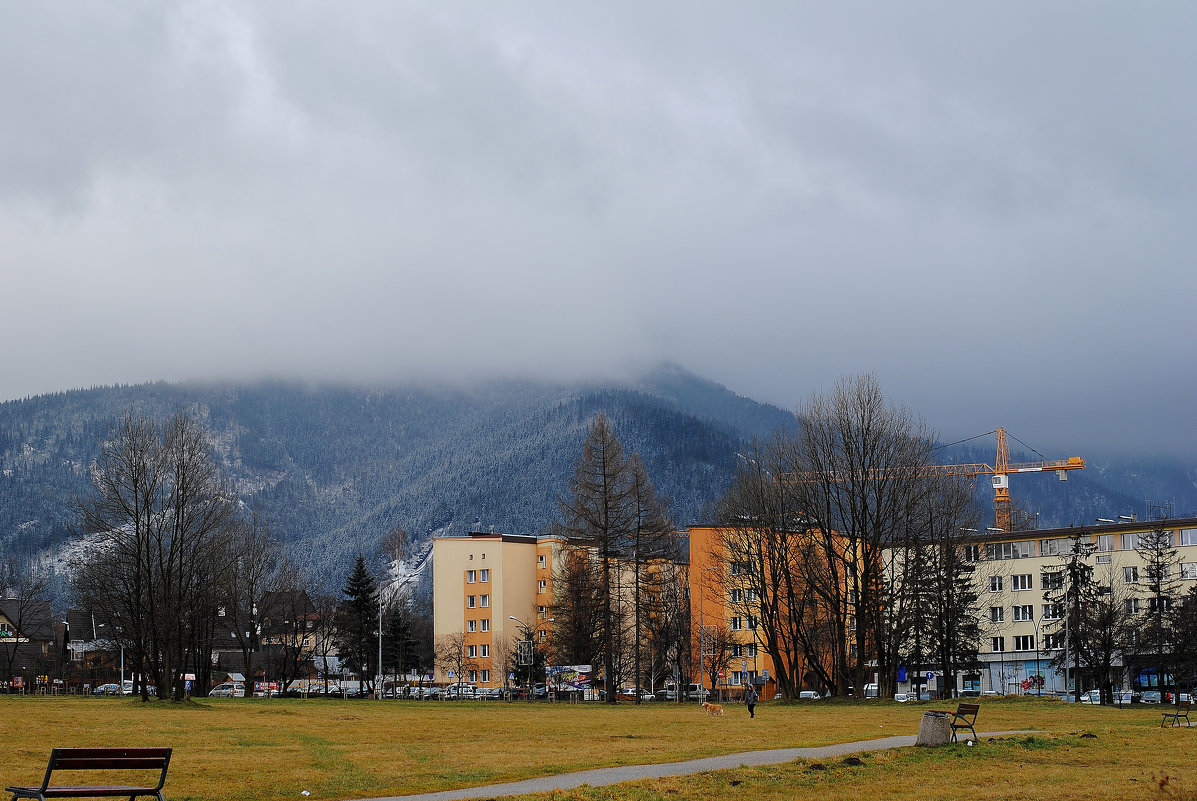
[(989, 206)]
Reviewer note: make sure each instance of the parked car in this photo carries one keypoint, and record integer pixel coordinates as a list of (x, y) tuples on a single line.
[(540, 692), (902, 698), (492, 694), (1150, 697), (1091, 697), (696, 692), (107, 689), (808, 695), (461, 691), (227, 690)]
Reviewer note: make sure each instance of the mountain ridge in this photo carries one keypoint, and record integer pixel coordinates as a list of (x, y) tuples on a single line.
[(335, 466)]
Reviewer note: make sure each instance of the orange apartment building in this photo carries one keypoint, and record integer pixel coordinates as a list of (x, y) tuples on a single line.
[(721, 604), (482, 581)]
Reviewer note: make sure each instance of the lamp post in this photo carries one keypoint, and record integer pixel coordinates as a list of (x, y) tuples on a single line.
[(1038, 675), (702, 632)]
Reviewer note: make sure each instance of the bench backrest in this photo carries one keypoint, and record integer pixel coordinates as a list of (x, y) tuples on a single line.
[(968, 710), (109, 759)]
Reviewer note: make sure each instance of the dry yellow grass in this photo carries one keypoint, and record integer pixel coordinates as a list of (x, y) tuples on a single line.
[(274, 749)]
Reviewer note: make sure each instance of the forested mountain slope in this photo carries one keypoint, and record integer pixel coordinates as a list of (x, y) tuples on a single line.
[(335, 467)]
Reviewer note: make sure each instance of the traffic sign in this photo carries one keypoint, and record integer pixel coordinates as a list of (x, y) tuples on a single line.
[(743, 664), (930, 675), (450, 674)]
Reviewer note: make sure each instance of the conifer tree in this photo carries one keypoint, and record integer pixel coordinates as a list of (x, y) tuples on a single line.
[(357, 623)]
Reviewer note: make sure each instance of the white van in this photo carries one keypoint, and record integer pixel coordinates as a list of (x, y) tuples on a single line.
[(227, 690)]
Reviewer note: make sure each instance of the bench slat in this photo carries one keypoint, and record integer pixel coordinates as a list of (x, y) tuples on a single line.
[(106, 763), (84, 791)]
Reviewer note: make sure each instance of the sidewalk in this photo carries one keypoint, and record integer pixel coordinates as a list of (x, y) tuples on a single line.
[(626, 773)]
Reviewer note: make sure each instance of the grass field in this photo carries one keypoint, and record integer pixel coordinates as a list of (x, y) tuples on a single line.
[(275, 749)]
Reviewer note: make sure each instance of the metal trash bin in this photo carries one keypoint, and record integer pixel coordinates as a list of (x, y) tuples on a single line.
[(934, 729)]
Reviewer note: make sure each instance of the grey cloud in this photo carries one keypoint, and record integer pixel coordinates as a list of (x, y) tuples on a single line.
[(987, 205)]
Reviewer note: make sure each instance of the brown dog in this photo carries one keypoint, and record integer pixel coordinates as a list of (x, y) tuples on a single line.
[(712, 709)]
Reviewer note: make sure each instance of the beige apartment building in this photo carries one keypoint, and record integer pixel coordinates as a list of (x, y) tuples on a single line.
[(1022, 631), (480, 582)]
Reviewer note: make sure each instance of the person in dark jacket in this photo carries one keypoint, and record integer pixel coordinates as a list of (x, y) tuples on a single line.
[(750, 699)]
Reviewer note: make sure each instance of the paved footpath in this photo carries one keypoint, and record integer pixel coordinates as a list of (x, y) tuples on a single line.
[(626, 773)]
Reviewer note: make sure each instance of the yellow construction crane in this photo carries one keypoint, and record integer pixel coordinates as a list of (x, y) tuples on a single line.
[(1000, 471), (1001, 475)]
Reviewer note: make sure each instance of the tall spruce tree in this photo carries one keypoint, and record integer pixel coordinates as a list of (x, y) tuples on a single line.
[(610, 504), (357, 621)]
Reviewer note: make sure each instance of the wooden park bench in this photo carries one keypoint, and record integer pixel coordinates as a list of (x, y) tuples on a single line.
[(965, 717), (1181, 711), (99, 759)]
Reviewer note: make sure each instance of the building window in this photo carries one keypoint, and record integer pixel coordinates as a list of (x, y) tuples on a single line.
[(737, 623), (750, 650), (997, 614), (1052, 581), (543, 634), (1163, 571), (972, 553), (485, 676), (997, 644), (750, 595), (541, 586), (541, 561), (485, 575), (472, 651), (471, 625), (471, 601), (1024, 613), (1156, 604), (1131, 605), (1105, 542), (852, 622), (1104, 559), (995, 583), (485, 601), (752, 622), (1024, 642), (542, 612), (733, 678), (486, 624), (1188, 536), (737, 651), (485, 650), (735, 569), (1024, 549), (1053, 611), (1053, 642), (1021, 581), (1056, 547), (736, 596), (1188, 570), (1130, 541), (1130, 575), (471, 576), (473, 676)]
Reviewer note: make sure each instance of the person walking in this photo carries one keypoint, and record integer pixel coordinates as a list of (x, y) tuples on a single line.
[(750, 699)]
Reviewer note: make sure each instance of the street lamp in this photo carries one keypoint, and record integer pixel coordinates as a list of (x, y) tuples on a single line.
[(702, 631), (1038, 674)]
